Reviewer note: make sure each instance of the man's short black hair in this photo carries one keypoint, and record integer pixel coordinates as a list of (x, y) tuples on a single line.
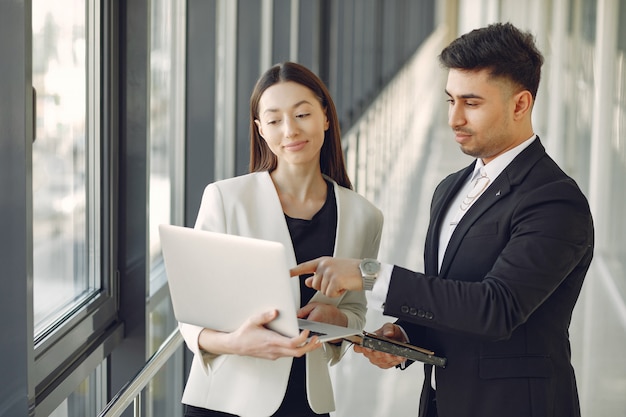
[(501, 48)]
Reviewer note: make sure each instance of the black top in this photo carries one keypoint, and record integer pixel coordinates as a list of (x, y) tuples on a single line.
[(311, 239), (314, 238)]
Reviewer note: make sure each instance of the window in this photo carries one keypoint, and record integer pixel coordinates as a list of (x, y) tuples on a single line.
[(74, 324), (166, 136), (87, 399), (166, 187), (65, 176), (617, 163)]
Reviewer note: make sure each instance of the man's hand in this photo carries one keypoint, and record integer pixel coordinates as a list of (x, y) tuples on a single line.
[(381, 359), (331, 276)]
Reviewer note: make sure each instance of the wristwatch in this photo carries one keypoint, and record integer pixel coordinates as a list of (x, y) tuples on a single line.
[(369, 272)]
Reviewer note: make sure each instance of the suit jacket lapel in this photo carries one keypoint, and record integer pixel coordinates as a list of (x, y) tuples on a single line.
[(503, 185), (498, 189), (438, 211)]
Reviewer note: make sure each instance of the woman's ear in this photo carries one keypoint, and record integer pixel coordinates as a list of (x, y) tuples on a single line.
[(326, 121), (257, 122)]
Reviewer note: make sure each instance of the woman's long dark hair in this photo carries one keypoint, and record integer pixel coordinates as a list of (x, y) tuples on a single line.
[(332, 161)]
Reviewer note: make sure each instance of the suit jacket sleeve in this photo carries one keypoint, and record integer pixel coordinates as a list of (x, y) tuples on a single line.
[(511, 253)]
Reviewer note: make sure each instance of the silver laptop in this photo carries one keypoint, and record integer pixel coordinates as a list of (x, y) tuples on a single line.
[(218, 280)]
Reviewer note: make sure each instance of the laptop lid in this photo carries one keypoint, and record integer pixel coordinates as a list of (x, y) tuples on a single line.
[(218, 281)]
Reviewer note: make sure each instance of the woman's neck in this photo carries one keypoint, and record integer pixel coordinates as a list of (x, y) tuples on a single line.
[(301, 193)]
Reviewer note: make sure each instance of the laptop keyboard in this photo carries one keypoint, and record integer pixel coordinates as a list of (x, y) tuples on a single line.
[(312, 333)]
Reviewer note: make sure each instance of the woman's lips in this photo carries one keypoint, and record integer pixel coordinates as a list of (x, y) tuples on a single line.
[(295, 146)]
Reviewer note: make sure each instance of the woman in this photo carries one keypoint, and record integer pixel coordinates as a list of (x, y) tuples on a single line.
[(298, 193)]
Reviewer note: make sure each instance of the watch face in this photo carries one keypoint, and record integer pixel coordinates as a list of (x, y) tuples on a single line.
[(371, 267)]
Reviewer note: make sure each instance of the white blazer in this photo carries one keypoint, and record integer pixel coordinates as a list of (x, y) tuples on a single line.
[(248, 205)]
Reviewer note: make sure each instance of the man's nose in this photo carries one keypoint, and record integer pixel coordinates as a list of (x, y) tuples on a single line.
[(456, 116)]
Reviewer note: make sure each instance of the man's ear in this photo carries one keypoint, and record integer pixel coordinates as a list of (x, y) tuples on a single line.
[(523, 102)]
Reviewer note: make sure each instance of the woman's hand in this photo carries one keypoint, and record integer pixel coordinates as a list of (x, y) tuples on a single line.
[(325, 313), (252, 338)]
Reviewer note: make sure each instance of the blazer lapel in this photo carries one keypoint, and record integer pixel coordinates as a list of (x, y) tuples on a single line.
[(498, 189), (438, 211), (503, 185), (344, 239), (270, 217)]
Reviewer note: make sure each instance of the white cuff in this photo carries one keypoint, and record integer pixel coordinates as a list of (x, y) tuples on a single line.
[(378, 295)]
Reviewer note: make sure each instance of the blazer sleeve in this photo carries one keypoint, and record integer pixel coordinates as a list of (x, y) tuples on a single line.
[(211, 218), (354, 303), (363, 241), (211, 213)]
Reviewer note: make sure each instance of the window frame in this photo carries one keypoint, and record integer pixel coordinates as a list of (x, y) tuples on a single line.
[(16, 355), (69, 350)]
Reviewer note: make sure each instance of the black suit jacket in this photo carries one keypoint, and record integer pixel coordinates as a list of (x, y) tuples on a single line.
[(500, 307)]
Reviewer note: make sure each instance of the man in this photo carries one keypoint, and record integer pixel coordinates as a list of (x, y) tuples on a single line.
[(508, 246)]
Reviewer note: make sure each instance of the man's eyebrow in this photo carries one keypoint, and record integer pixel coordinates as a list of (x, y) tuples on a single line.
[(465, 96), (301, 102)]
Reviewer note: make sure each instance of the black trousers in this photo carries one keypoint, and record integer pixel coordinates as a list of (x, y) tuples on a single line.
[(191, 411), (428, 397), (432, 408)]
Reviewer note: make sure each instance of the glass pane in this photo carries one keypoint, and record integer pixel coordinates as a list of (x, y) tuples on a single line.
[(163, 393), (615, 246), (87, 400), (165, 106), (578, 101), (165, 390), (60, 158)]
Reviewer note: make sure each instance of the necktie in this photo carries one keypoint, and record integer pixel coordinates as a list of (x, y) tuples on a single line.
[(480, 184)]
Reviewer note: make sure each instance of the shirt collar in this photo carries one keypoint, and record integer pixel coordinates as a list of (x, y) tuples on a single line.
[(498, 164)]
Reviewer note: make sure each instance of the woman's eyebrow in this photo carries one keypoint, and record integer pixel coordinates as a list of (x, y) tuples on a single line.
[(273, 110)]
